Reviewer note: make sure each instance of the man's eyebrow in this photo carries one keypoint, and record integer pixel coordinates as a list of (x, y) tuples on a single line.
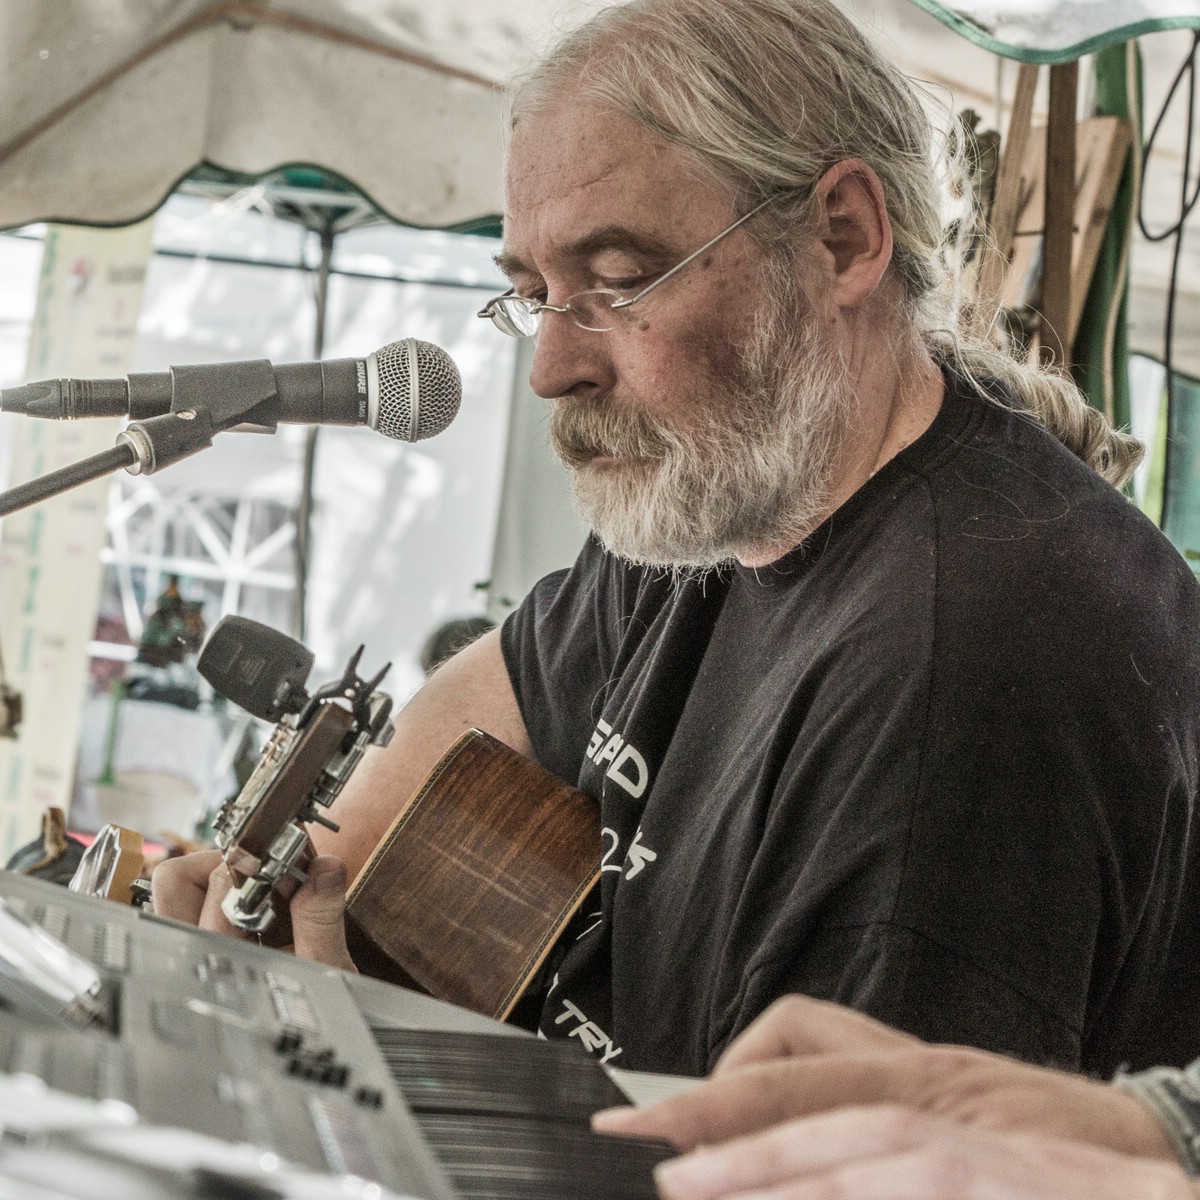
[(608, 237), (510, 264)]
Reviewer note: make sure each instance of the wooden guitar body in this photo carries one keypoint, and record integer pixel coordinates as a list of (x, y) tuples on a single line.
[(476, 878)]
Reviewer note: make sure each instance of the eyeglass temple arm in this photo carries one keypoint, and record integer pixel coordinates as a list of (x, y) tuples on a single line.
[(486, 310), (690, 258), (535, 306)]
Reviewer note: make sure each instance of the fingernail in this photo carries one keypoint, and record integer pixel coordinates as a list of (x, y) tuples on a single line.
[(680, 1176), (329, 880), (612, 1118)]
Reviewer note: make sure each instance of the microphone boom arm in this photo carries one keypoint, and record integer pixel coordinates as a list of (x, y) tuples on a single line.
[(56, 482), (200, 410)]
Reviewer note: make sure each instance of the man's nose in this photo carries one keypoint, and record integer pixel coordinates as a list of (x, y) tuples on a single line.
[(568, 360)]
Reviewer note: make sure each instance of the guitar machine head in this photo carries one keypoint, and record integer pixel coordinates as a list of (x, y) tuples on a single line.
[(317, 742)]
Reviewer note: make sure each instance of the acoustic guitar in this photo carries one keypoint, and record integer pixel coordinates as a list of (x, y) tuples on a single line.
[(470, 887), (476, 879)]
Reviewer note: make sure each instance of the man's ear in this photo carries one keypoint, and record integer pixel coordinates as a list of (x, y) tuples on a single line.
[(854, 234)]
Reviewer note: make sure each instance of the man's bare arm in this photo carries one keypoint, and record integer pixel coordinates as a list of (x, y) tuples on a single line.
[(471, 690)]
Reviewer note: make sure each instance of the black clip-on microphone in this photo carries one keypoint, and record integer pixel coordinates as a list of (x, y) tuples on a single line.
[(408, 390)]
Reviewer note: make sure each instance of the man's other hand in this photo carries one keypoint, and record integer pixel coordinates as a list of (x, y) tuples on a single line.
[(191, 888), (888, 1153), (804, 1057)]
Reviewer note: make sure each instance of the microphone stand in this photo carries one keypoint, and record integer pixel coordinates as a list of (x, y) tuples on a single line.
[(143, 448), (25, 494), (204, 403)]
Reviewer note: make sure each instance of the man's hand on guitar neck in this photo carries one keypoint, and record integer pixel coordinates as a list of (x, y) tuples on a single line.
[(192, 887), (472, 690)]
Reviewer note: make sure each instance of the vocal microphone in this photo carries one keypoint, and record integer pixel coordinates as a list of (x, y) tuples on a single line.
[(407, 390)]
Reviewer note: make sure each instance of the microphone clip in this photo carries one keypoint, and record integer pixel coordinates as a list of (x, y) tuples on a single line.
[(229, 394), (160, 441), (205, 400)]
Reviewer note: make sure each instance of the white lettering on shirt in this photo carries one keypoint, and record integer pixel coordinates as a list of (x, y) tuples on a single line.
[(627, 766), (613, 846), (614, 743), (634, 782), (637, 858), (597, 919), (639, 855), (602, 730), (588, 1032)]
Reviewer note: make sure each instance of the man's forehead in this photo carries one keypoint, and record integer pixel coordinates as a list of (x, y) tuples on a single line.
[(576, 144), (581, 179)]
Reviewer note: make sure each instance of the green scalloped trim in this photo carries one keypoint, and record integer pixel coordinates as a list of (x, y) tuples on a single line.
[(1065, 54)]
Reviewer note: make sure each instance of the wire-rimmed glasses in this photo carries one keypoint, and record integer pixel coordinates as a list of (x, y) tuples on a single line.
[(595, 310)]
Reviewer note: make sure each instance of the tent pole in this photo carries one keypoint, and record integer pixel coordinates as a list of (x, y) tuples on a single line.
[(303, 543)]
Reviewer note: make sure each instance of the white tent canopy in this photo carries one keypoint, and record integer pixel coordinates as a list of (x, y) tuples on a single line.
[(107, 104)]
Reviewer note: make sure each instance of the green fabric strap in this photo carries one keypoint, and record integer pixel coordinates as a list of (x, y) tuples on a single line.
[(1091, 359)]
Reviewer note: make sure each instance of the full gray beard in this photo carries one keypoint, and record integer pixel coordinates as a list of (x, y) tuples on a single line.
[(748, 469)]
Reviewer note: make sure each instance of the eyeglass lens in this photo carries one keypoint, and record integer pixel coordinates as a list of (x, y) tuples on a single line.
[(512, 315), (593, 310), (519, 316)]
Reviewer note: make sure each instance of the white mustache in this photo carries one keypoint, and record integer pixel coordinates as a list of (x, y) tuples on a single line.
[(581, 430)]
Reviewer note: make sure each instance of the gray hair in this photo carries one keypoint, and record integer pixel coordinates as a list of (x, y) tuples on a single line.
[(764, 96)]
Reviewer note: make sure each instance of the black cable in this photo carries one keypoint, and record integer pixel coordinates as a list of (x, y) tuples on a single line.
[(1188, 68)]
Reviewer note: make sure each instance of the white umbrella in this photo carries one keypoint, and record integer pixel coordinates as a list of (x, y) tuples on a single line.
[(108, 103)]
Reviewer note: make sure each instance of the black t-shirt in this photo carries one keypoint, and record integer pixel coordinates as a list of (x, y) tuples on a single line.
[(937, 763)]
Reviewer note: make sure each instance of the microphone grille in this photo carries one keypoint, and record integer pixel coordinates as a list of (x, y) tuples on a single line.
[(420, 390)]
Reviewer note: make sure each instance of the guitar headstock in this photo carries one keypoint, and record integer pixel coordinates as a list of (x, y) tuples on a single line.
[(111, 865), (317, 742)]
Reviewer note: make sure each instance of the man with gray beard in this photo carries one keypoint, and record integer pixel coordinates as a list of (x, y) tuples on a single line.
[(755, 455), (885, 693)]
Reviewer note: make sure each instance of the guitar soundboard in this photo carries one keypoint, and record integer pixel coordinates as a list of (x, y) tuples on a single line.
[(333, 1073)]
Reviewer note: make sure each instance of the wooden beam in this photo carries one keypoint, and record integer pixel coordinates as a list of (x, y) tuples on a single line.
[(1058, 234), (1102, 149), (1006, 204)]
